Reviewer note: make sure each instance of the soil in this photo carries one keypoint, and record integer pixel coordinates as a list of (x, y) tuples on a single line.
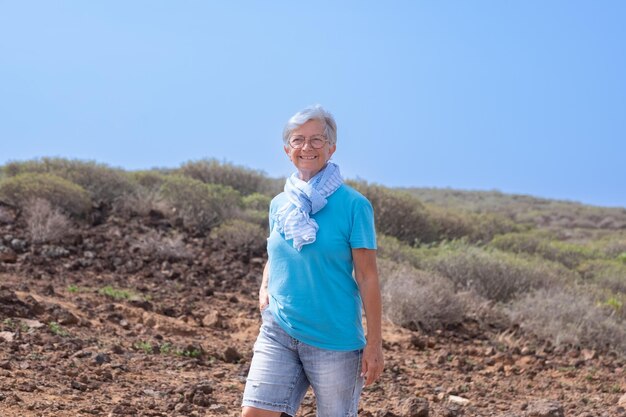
[(97, 325)]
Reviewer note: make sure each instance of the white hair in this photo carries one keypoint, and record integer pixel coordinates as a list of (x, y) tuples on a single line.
[(316, 112)]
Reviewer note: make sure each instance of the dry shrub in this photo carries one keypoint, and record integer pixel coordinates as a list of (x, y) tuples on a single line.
[(141, 202), (568, 318), (103, 183), (241, 235), (45, 223), (200, 206), (398, 214), (163, 248), (67, 196), (495, 275), (211, 171), (418, 299)]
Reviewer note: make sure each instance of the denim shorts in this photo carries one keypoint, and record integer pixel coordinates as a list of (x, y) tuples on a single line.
[(283, 368)]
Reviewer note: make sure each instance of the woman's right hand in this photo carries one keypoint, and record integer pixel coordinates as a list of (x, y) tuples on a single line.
[(264, 298)]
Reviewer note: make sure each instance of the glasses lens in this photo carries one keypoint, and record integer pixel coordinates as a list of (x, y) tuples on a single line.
[(296, 142), (317, 142)]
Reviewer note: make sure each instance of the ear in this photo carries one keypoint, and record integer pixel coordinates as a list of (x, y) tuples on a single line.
[(332, 150), (287, 151)]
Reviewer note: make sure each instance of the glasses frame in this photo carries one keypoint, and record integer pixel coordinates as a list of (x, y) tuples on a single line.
[(309, 139)]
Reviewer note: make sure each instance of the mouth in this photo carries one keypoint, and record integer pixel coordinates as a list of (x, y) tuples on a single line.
[(307, 158)]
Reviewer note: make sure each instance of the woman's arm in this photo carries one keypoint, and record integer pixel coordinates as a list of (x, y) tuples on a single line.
[(264, 298), (366, 274)]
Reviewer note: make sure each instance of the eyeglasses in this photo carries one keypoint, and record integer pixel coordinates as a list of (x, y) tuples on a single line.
[(316, 142)]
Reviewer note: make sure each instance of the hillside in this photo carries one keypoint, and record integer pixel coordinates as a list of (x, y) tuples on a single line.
[(134, 293)]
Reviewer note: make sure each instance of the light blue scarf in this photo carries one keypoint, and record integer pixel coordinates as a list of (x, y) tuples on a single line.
[(305, 198)]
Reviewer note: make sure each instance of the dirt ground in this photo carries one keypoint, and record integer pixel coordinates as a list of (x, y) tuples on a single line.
[(98, 326)]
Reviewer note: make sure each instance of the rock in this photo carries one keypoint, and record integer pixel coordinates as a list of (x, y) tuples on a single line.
[(54, 252), (417, 342), (414, 407), (7, 255), (5, 365), (622, 401), (11, 306), (458, 400), (7, 336), (545, 409), (79, 386), (18, 245), (214, 319), (231, 355), (102, 358), (588, 354)]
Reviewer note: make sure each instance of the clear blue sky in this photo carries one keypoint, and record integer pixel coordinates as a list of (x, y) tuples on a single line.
[(521, 96)]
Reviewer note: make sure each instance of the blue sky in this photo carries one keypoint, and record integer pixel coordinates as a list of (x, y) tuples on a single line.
[(520, 96)]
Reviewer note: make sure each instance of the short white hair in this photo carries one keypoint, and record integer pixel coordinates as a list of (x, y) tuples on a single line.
[(316, 112)]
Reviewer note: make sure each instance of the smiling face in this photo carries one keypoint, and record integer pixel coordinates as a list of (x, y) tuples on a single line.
[(307, 160)]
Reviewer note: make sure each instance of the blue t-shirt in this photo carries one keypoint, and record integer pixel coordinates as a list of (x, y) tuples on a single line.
[(313, 294)]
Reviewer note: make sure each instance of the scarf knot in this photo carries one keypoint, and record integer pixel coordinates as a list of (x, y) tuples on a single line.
[(293, 220)]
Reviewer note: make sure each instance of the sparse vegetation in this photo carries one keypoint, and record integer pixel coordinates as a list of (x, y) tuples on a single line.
[(57, 329), (116, 293)]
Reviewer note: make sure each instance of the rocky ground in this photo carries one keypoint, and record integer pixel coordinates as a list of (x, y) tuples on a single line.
[(116, 320)]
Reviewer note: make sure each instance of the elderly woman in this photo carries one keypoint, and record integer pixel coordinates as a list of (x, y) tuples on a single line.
[(321, 230)]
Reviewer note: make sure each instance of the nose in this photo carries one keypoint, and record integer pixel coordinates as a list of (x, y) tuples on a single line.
[(307, 143)]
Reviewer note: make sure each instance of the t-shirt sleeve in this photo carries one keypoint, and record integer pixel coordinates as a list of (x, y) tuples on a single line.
[(363, 233)]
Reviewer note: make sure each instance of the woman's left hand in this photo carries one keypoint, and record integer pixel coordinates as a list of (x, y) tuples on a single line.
[(373, 362)]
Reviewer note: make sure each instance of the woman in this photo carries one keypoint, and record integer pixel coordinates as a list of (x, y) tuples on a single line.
[(321, 230)]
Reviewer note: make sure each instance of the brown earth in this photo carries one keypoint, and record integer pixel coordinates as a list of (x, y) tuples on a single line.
[(178, 342)]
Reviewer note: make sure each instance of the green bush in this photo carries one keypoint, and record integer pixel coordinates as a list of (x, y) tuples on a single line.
[(241, 235), (605, 273), (257, 201), (494, 275), (453, 224), (103, 183), (537, 243), (398, 214), (151, 180), (569, 318), (418, 299), (200, 206), (20, 189), (394, 250), (210, 171)]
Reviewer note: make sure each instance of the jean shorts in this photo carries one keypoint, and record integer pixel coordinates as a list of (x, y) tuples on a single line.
[(283, 368)]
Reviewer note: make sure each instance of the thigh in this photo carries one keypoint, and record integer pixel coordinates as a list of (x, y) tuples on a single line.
[(335, 378), (276, 380)]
